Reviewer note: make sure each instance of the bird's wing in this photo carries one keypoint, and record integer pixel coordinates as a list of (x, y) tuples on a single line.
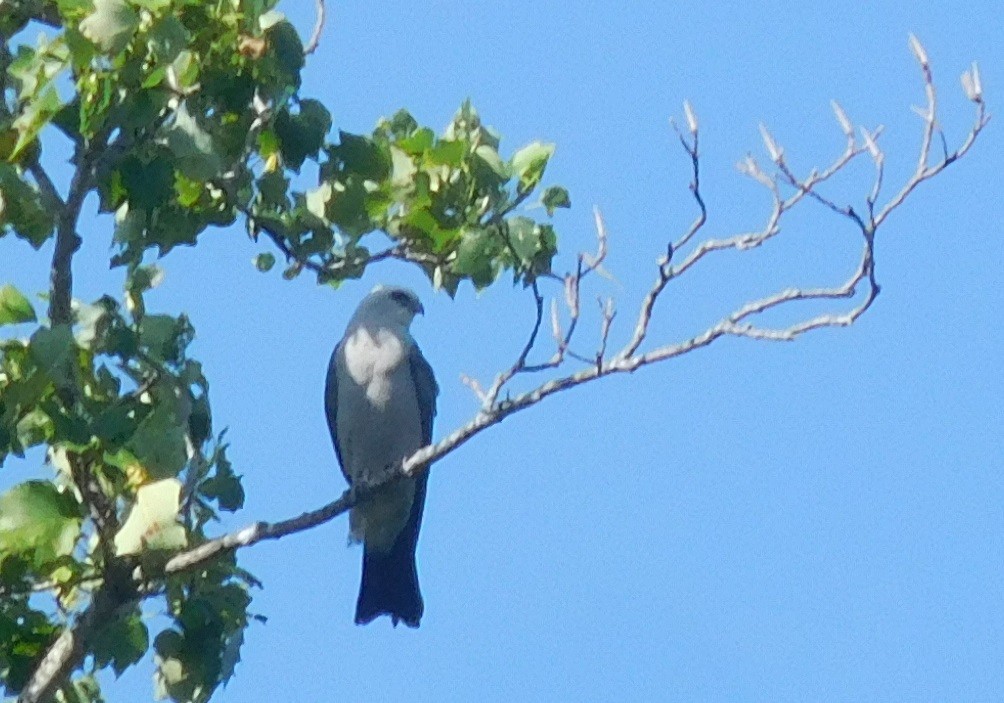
[(426, 390), (331, 405)]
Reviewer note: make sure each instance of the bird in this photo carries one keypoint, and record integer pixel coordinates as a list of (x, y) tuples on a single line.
[(380, 402)]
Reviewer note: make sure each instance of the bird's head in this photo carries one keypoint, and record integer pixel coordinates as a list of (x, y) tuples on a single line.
[(390, 304)]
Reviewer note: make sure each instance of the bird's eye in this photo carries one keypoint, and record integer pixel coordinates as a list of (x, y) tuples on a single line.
[(401, 298)]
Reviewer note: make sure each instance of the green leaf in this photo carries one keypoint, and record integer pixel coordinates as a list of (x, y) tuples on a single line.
[(224, 486), (533, 245), (21, 209), (555, 197), (165, 337), (14, 307), (285, 53), (231, 656), (528, 163), (302, 135), (147, 184), (152, 524), (111, 25), (449, 152), (25, 635), (476, 257), (159, 444), (115, 425), (36, 518), (200, 421), (121, 643), (264, 262), (419, 142), (34, 117), (193, 146), (170, 677), (401, 125), (54, 350), (362, 157), (168, 37)]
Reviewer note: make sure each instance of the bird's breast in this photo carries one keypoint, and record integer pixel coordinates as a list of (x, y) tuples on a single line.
[(373, 360)]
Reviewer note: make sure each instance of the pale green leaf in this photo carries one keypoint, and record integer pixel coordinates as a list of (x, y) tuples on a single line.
[(111, 25), (529, 162), (317, 201), (153, 521), (403, 169), (269, 19), (53, 349), (193, 146), (491, 157)]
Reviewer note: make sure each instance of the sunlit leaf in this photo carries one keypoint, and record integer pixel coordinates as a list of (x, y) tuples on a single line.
[(153, 521), (14, 307), (111, 25), (528, 163), (37, 518)]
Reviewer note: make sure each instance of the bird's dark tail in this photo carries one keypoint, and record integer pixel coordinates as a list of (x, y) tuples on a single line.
[(390, 579)]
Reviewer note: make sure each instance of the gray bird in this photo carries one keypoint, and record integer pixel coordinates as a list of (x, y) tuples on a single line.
[(380, 400)]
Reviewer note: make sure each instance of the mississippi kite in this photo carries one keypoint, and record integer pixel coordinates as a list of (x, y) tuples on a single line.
[(380, 399)]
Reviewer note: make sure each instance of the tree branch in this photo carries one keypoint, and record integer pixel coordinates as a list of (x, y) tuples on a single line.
[(315, 36), (64, 655), (739, 323), (67, 241)]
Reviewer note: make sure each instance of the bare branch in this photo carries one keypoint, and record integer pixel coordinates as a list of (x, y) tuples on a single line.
[(608, 312), (666, 272), (491, 396), (475, 387), (315, 36), (48, 189), (334, 267), (923, 171)]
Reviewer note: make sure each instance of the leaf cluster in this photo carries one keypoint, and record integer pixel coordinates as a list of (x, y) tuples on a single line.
[(121, 407), (184, 116)]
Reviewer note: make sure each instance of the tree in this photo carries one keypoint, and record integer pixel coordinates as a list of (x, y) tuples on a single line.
[(184, 117)]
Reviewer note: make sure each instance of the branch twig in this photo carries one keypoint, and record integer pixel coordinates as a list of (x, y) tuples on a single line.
[(315, 36)]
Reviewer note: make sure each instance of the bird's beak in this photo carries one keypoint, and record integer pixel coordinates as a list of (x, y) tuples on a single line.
[(420, 310)]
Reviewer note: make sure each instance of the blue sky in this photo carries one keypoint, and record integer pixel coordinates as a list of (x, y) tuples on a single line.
[(813, 521)]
